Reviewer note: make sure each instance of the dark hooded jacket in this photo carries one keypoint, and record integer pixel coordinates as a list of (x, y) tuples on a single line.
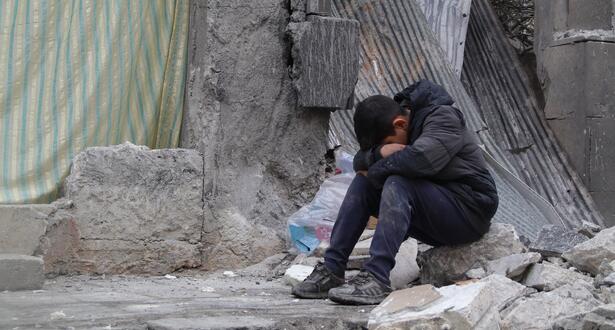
[(440, 149)]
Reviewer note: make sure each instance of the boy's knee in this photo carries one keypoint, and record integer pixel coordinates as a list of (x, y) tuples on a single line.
[(397, 186)]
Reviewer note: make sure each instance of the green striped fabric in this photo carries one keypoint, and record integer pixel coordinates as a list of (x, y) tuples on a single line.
[(81, 73)]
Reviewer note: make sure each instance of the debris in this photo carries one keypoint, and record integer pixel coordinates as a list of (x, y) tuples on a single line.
[(602, 317), (170, 277), (588, 255), (229, 273), (57, 315), (208, 289), (589, 229), (547, 276), (447, 264), (297, 273), (20, 272), (513, 265), (541, 310), (554, 240), (469, 306), (406, 269)]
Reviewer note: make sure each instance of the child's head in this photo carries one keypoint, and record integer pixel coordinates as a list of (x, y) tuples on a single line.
[(380, 120)]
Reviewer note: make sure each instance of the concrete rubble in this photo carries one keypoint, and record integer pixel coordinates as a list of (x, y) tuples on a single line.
[(589, 255), (132, 210), (541, 310), (444, 265), (554, 240), (472, 305), (602, 317), (547, 276)]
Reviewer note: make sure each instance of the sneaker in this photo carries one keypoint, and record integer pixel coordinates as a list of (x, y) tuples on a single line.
[(363, 289), (317, 284)]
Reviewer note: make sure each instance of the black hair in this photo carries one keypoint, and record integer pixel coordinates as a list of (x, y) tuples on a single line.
[(373, 120)]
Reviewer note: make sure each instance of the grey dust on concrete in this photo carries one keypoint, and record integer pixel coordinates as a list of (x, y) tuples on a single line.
[(251, 298)]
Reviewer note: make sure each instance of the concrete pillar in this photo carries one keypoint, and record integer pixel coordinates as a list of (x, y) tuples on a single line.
[(575, 50)]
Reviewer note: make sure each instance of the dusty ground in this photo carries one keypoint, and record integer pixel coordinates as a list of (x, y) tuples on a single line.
[(256, 298)]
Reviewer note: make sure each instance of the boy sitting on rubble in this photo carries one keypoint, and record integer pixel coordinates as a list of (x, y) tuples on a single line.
[(421, 172)]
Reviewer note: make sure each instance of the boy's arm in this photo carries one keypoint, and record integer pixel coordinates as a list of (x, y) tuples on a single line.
[(363, 159), (440, 140)]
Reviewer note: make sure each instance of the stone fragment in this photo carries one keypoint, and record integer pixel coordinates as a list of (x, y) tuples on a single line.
[(547, 276), (541, 310), (444, 265), (606, 273), (20, 272), (476, 273), (406, 269), (136, 210), (554, 240), (589, 255), (295, 274), (325, 55), (602, 317), (474, 305), (513, 265), (22, 227), (588, 229)]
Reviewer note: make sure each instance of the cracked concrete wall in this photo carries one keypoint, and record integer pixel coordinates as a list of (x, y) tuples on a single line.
[(575, 50), (263, 155)]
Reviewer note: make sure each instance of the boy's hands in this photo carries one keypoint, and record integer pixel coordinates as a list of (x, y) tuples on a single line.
[(389, 149)]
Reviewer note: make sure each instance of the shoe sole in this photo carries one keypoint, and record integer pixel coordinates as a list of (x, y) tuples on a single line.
[(354, 300), (310, 295)]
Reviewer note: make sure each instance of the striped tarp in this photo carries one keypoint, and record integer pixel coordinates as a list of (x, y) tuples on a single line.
[(80, 73)]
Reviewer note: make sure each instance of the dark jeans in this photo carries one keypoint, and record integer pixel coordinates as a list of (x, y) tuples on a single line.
[(405, 208)]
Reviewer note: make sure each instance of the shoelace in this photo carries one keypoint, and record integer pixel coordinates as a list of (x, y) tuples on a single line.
[(361, 278)]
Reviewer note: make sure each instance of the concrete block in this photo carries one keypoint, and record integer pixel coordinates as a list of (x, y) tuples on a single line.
[(325, 52), (513, 265), (137, 210), (589, 255), (21, 227), (295, 274), (447, 264), (20, 272)]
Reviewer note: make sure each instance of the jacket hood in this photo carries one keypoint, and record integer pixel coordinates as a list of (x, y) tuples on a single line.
[(424, 93)]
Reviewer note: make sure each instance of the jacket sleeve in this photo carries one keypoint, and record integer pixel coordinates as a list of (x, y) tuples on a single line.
[(364, 159), (440, 141)]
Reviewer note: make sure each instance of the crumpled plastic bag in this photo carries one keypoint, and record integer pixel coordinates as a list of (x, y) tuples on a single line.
[(313, 223)]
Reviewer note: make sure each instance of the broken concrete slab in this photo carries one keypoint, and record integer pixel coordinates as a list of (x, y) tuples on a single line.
[(602, 317), (547, 276), (20, 272), (136, 210), (606, 274), (406, 269), (543, 309), (22, 227), (444, 265), (513, 265), (325, 55), (474, 305), (554, 240), (295, 274), (589, 255)]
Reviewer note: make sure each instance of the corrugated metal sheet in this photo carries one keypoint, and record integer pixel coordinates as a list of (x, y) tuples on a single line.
[(399, 48), (494, 76), (448, 19)]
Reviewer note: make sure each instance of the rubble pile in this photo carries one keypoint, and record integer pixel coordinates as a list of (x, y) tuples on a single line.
[(499, 282)]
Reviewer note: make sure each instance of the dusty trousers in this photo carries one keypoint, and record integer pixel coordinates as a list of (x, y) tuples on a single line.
[(405, 208)]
